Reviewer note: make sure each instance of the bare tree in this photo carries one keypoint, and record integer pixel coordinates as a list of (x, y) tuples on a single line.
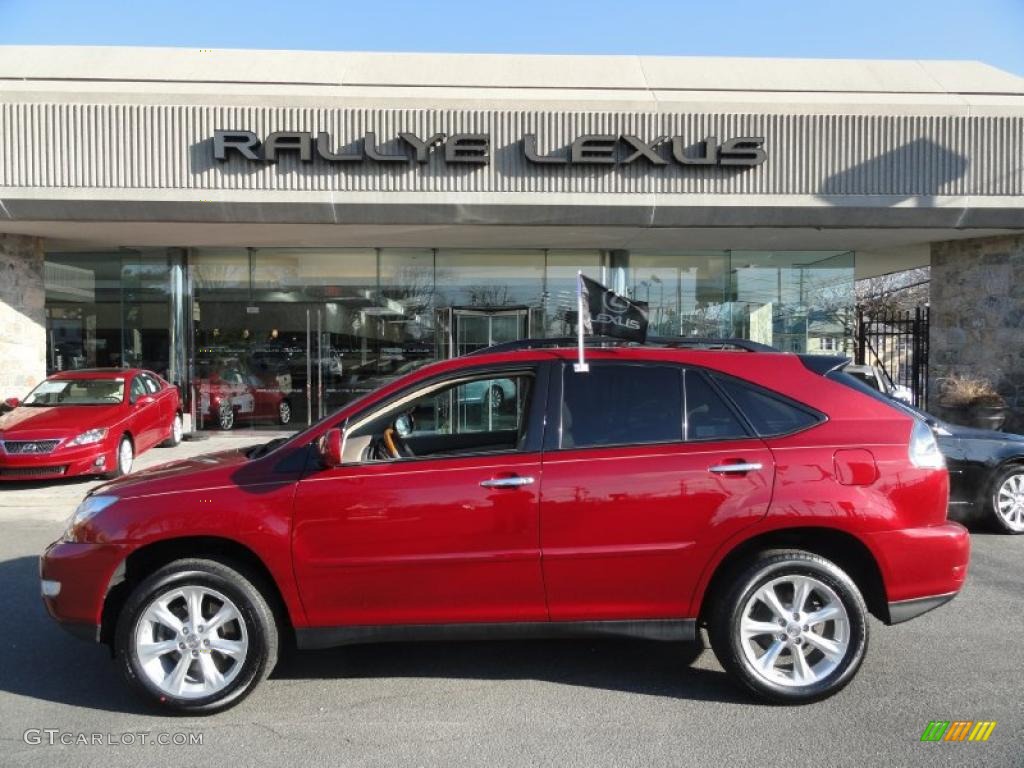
[(895, 292)]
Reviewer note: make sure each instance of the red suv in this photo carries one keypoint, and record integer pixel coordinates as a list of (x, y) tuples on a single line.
[(767, 497)]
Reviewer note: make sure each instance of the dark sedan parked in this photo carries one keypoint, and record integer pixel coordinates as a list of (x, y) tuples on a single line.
[(986, 474), (986, 468)]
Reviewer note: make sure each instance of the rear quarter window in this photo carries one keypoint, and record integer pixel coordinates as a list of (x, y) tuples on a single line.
[(769, 413)]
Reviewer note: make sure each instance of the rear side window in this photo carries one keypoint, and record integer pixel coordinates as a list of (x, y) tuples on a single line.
[(769, 414), (708, 416), (622, 404)]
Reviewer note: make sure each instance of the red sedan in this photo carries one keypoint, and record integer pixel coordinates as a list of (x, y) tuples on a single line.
[(227, 396), (91, 422)]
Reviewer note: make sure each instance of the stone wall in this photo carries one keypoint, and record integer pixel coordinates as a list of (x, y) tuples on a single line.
[(977, 317), (22, 315)]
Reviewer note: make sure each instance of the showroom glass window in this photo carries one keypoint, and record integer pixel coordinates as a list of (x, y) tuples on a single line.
[(800, 301), (116, 309)]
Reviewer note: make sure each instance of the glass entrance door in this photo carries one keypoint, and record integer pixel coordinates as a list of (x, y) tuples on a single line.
[(461, 331)]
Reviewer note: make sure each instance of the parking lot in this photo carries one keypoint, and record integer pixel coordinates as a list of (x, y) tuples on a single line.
[(525, 703)]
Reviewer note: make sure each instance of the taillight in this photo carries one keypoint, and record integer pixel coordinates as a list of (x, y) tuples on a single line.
[(924, 450)]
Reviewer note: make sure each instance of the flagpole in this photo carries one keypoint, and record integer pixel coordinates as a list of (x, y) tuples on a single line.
[(581, 366)]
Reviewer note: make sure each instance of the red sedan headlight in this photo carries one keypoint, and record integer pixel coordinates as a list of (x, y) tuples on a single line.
[(87, 438)]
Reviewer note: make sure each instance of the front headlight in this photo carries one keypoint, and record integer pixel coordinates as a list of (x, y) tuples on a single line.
[(88, 509), (88, 438)]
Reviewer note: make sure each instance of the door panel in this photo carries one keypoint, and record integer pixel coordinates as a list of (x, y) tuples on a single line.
[(145, 418), (625, 532), (420, 541)]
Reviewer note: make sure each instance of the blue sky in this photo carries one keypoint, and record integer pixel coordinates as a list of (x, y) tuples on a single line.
[(989, 30)]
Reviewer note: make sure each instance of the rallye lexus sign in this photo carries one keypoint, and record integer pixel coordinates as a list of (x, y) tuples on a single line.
[(589, 149)]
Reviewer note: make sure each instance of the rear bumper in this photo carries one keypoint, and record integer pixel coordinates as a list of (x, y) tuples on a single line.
[(922, 568), (905, 610)]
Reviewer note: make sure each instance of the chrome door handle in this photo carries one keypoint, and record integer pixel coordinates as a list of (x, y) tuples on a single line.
[(734, 469), (506, 482)]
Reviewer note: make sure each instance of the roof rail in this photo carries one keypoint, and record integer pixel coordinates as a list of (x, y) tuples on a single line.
[(674, 342)]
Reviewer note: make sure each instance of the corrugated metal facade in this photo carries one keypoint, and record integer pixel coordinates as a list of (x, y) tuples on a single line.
[(170, 147)]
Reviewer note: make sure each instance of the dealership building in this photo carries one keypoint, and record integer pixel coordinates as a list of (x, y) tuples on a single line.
[(309, 224)]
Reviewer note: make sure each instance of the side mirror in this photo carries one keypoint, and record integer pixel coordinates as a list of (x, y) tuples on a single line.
[(11, 403), (330, 447)]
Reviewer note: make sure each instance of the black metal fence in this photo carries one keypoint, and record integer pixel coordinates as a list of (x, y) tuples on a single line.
[(897, 342)]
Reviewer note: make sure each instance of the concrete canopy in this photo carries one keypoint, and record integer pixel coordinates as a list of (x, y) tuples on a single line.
[(120, 140)]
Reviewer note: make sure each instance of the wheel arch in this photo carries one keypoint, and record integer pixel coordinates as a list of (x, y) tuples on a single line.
[(147, 559), (844, 549)]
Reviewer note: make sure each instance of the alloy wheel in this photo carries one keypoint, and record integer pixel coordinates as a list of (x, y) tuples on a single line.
[(284, 412), (191, 642), (177, 429), (795, 631), (125, 456), (1009, 502), (226, 416), (497, 398)]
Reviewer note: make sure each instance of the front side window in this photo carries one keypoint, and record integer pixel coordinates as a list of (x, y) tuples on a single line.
[(622, 404), (54, 392), (138, 388), (468, 416)]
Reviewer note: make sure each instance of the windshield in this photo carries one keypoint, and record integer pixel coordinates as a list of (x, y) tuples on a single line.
[(865, 376), (55, 392)]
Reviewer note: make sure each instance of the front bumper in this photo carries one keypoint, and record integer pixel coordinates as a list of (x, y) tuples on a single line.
[(84, 573), (63, 462), (922, 568)]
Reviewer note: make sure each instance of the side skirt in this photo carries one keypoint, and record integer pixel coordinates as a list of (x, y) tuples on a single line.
[(667, 630)]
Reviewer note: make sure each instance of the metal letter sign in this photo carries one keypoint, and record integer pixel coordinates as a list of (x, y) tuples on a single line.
[(589, 149)]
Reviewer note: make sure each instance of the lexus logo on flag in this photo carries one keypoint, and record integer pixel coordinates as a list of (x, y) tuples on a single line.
[(605, 313)]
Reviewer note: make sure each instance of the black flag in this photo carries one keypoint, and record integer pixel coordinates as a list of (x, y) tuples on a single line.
[(605, 313)]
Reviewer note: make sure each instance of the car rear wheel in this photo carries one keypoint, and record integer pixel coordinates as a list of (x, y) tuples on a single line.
[(196, 637), (177, 431), (791, 628), (1007, 503), (284, 412), (226, 416)]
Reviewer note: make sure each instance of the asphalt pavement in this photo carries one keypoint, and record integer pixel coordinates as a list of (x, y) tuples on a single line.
[(565, 703)]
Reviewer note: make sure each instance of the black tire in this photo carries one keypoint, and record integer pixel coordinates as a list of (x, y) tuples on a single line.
[(260, 627), (119, 469), (996, 520), (172, 441), (727, 612)]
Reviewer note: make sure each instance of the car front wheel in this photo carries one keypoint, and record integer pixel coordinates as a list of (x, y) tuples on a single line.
[(124, 458), (791, 628), (196, 637), (1008, 500)]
